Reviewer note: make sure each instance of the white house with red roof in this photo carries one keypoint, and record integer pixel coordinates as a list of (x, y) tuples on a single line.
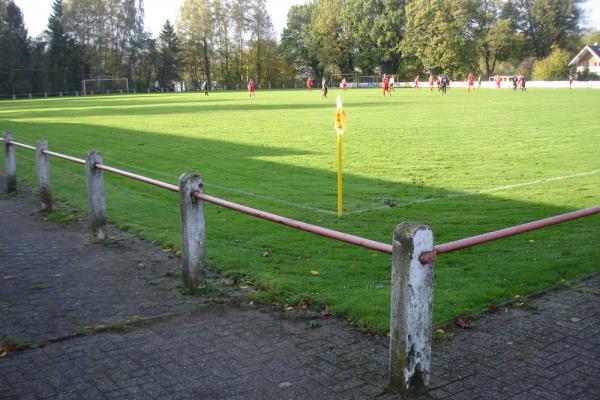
[(588, 58)]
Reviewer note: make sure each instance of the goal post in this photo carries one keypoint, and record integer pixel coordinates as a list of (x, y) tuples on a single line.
[(105, 85), (335, 81), (366, 81)]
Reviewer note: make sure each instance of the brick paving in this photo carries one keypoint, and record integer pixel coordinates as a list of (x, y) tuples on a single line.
[(53, 282)]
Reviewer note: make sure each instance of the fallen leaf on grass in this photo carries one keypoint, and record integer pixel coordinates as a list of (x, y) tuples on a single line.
[(440, 331), (463, 323), (315, 273), (325, 310), (266, 253), (519, 301), (305, 304)]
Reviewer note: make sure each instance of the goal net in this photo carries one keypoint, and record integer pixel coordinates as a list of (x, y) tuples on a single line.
[(505, 80), (336, 80), (106, 85), (366, 81)]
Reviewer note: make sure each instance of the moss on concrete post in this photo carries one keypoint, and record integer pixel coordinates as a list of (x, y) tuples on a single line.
[(411, 308), (192, 232), (95, 189), (42, 164)]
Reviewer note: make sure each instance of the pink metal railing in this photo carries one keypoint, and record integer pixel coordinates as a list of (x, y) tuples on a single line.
[(425, 258), (332, 234), (429, 257)]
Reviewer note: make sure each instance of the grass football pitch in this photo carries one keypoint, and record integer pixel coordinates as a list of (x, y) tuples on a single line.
[(464, 164)]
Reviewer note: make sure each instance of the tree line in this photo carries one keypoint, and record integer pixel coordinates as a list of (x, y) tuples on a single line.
[(229, 42), (454, 37), (226, 42)]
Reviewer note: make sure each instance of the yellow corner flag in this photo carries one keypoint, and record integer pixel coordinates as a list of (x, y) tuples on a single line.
[(340, 124)]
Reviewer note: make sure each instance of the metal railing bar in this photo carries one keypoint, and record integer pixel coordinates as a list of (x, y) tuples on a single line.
[(303, 226), (428, 257), (425, 258), (64, 157), (137, 177), (25, 146)]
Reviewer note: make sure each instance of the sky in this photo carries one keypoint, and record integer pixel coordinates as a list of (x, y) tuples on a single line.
[(36, 13)]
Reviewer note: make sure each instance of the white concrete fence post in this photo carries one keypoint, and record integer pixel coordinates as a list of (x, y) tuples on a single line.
[(411, 308), (192, 232), (42, 165), (10, 163), (95, 189)]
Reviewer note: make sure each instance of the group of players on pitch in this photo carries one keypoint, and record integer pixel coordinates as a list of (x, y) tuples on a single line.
[(442, 82)]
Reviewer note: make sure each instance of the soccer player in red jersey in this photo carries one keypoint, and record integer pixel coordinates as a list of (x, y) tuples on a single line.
[(344, 84), (470, 83), (431, 80), (251, 89), (417, 82), (498, 81), (386, 84), (309, 84)]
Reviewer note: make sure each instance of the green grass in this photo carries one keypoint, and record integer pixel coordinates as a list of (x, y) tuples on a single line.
[(450, 162)]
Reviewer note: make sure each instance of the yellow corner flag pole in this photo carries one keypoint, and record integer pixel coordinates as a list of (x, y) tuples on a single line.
[(340, 124)]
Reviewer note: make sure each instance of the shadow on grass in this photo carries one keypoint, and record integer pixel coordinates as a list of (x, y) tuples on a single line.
[(161, 105), (354, 281)]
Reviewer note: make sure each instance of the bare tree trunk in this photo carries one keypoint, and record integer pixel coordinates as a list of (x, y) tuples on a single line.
[(206, 60)]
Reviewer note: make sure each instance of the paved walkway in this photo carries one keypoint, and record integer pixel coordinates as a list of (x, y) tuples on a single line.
[(110, 323)]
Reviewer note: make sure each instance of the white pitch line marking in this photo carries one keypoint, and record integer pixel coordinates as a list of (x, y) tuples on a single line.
[(221, 187), (490, 190), (364, 210)]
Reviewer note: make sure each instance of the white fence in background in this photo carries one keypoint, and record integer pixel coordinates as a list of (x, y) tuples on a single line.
[(424, 84)]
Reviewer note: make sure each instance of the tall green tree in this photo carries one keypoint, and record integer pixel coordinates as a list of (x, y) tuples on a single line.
[(110, 31), (553, 67), (545, 22), (59, 51), (441, 35), (296, 46), (15, 59), (261, 31), (494, 35), (374, 29), (196, 28), (240, 25), (223, 41), (169, 50), (133, 39), (497, 44), (329, 38), (149, 63)]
